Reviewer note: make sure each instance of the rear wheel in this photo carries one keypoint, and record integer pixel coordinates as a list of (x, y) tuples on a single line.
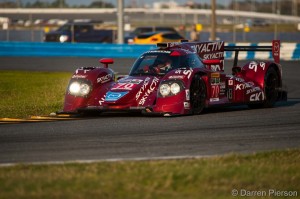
[(197, 95), (271, 84)]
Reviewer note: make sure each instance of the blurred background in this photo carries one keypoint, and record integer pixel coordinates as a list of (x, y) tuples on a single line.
[(80, 20)]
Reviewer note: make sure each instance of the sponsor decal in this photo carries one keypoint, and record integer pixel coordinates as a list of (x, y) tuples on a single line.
[(215, 80), (187, 94), (114, 96), (262, 65), (208, 47), (257, 97), (102, 100), (82, 69), (230, 82), (215, 75), (149, 91), (146, 82), (188, 72), (127, 84), (210, 50), (104, 78), (131, 81), (158, 51), (222, 88), (214, 99), (218, 55), (243, 86), (215, 92), (276, 47), (176, 77), (187, 51), (252, 90), (79, 76), (186, 105), (215, 67), (122, 86), (235, 78), (254, 65)]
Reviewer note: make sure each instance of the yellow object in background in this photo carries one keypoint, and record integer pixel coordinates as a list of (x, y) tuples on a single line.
[(199, 27), (46, 29), (157, 37), (246, 29)]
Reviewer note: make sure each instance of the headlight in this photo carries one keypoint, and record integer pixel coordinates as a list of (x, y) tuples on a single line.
[(84, 89), (63, 38), (169, 88), (164, 89), (74, 88), (79, 89), (175, 88)]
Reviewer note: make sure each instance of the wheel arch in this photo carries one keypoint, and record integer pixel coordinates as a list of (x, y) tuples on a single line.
[(278, 70)]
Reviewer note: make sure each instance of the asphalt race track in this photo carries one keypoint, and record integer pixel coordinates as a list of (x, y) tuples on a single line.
[(132, 136)]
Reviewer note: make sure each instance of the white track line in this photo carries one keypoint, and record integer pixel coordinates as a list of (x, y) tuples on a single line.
[(107, 160)]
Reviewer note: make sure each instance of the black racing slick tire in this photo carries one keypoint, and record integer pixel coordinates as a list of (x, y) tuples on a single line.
[(197, 95), (271, 85)]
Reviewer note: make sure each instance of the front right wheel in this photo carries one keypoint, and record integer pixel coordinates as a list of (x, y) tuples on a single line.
[(197, 95)]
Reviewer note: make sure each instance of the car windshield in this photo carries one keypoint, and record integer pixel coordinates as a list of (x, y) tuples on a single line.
[(160, 63)]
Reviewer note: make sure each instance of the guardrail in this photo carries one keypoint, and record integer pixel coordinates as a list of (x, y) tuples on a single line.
[(289, 51)]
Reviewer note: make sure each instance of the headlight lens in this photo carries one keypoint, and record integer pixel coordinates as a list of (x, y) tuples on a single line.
[(63, 38), (84, 89), (74, 88), (164, 89), (170, 87), (175, 88), (79, 89)]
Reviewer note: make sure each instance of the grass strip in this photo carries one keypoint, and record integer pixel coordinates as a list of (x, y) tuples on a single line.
[(214, 177), (31, 93)]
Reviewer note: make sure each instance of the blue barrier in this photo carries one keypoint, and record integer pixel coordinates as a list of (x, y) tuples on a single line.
[(289, 51), (296, 54), (72, 49)]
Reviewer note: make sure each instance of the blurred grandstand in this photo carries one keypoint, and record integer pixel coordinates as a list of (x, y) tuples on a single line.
[(237, 21)]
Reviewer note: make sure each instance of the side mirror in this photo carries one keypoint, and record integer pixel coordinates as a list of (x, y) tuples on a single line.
[(106, 61), (121, 77)]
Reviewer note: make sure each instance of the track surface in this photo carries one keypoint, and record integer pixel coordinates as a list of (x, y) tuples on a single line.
[(118, 136)]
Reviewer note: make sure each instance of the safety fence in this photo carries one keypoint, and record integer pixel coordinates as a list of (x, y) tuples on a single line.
[(289, 51)]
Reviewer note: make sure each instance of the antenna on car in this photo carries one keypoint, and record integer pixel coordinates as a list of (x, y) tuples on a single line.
[(162, 45), (168, 44)]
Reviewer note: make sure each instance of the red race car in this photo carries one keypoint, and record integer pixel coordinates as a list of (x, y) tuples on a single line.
[(178, 79)]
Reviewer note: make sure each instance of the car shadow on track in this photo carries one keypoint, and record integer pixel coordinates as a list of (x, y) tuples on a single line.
[(290, 102), (96, 115)]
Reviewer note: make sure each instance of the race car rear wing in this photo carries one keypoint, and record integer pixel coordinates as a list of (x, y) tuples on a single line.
[(214, 50), (275, 49)]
